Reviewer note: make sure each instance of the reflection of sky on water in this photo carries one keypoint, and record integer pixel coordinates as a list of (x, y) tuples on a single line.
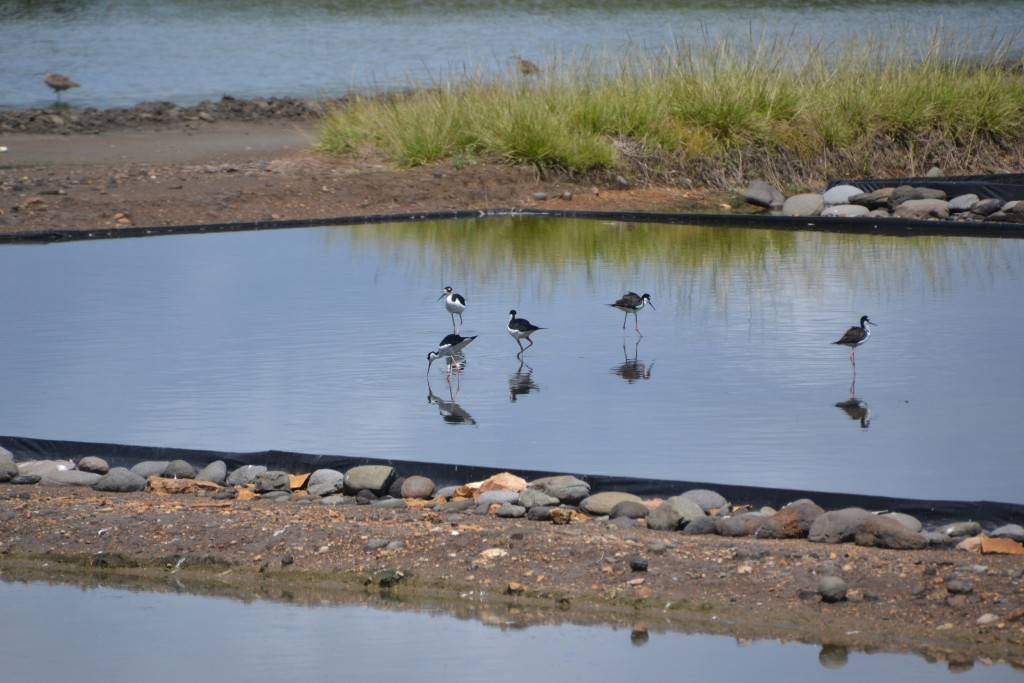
[(315, 340)]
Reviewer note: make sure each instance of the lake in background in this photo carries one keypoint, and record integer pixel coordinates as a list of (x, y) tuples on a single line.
[(315, 340), (185, 51)]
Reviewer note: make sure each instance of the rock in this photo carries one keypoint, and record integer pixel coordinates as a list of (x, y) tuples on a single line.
[(1014, 531), (25, 479), (390, 503), (934, 172), (566, 488), (418, 487), (376, 478), (149, 468), (792, 521), (923, 209), (840, 194), (985, 207), (8, 468), (845, 211), (531, 498), (503, 481), (886, 532), (561, 515), (510, 511), (1002, 546), (94, 464), (832, 589), (959, 587), (497, 497), (879, 199), (272, 480), (837, 526), (961, 529), (69, 478), (600, 504), (740, 525), (325, 482), (539, 513), (120, 480), (638, 563), (41, 468), (215, 473), (540, 196), (807, 204), (460, 505), (709, 501), (245, 474), (630, 509), (912, 523), (674, 513), (760, 193), (987, 619), (447, 492), (179, 469), (962, 203), (905, 193), (621, 183), (701, 526)]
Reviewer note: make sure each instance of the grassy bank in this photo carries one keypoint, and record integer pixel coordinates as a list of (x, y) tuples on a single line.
[(714, 116)]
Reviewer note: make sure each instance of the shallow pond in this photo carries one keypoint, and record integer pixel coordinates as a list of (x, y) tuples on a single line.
[(315, 340), (62, 633)]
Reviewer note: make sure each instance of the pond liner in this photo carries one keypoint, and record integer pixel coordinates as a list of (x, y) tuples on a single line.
[(1003, 186), (891, 226), (932, 513)]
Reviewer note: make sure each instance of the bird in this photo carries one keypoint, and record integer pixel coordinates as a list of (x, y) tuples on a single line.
[(58, 83), (855, 336), (449, 346), (525, 66), (631, 302), (454, 304), (521, 328)]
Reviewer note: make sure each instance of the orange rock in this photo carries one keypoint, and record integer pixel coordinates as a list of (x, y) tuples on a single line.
[(298, 481), (504, 481), (166, 487), (1002, 546)]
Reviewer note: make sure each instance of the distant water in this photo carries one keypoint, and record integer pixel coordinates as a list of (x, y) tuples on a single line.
[(127, 51)]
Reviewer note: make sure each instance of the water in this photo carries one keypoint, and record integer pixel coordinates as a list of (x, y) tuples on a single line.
[(186, 51), (60, 633), (315, 340)]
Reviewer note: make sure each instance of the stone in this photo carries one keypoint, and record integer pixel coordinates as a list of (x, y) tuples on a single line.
[(985, 207), (503, 481), (179, 469), (959, 587), (962, 203), (395, 490), (792, 521), (701, 526), (69, 478), (561, 515), (905, 193), (390, 503), (25, 479), (845, 211), (566, 488), (840, 194), (740, 525), (539, 513), (497, 497), (41, 468), (832, 589), (961, 529), (909, 521), (94, 464), (215, 473), (886, 532), (245, 475), (510, 511), (272, 480), (837, 526), (418, 487), (878, 199), (460, 505), (376, 478), (446, 492), (760, 193), (325, 482), (149, 468), (8, 468), (600, 504), (531, 498), (120, 480), (807, 204), (923, 209), (707, 500), (630, 509), (638, 563), (1014, 531), (673, 514)]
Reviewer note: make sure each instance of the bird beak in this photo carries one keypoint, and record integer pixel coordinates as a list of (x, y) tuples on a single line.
[(650, 304), (871, 323), (440, 297)]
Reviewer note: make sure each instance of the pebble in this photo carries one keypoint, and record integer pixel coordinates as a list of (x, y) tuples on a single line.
[(832, 589)]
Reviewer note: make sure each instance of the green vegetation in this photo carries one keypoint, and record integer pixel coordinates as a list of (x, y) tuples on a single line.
[(712, 116)]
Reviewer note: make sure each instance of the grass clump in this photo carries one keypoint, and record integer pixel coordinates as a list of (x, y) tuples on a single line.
[(715, 114)]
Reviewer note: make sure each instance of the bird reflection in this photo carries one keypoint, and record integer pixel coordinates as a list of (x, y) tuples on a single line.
[(451, 412), (632, 369), (521, 382), (856, 408)]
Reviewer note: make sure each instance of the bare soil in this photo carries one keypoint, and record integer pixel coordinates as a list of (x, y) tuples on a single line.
[(202, 173)]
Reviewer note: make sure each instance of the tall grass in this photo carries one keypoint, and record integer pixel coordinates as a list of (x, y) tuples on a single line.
[(714, 112)]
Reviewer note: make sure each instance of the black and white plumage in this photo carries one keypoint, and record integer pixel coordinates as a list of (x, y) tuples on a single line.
[(631, 302), (454, 304), (451, 345), (521, 329), (855, 336)]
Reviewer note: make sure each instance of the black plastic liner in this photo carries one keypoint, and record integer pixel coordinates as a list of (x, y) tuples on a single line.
[(932, 513), (1003, 186)]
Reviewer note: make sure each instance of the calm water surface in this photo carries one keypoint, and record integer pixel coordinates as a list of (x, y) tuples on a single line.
[(315, 340), (62, 633), (186, 51)]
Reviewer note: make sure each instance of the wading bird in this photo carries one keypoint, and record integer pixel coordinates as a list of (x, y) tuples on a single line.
[(58, 83), (632, 302), (525, 66), (520, 329), (449, 347), (855, 336), (454, 304)]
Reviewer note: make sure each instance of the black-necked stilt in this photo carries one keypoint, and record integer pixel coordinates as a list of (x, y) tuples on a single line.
[(454, 304), (520, 329), (855, 336), (449, 346), (631, 302)]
